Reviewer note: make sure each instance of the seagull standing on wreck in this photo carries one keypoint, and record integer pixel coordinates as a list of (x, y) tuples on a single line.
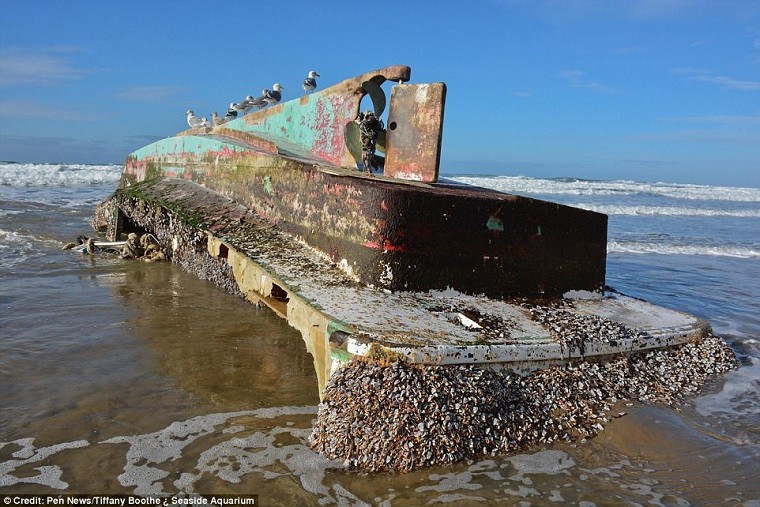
[(258, 102), (216, 119), (231, 112), (242, 106), (310, 84), (193, 120), (248, 102), (275, 95)]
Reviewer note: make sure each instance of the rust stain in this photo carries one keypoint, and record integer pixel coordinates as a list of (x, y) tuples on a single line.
[(415, 128), (427, 235)]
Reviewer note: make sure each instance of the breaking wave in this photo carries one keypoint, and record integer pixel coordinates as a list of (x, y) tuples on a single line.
[(612, 209), (669, 249), (571, 186), (24, 242), (58, 175)]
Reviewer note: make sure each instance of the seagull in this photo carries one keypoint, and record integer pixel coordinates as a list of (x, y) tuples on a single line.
[(231, 112), (216, 119), (309, 84), (274, 96), (258, 102), (193, 120), (241, 107)]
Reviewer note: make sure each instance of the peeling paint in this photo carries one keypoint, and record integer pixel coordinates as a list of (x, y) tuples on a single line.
[(429, 235), (494, 224), (268, 185)]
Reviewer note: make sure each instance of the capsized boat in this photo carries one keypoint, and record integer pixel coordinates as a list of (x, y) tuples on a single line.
[(341, 224)]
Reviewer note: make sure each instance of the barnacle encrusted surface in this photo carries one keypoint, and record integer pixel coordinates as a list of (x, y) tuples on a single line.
[(401, 416)]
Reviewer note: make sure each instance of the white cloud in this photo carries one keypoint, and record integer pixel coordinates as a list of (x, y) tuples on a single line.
[(710, 77), (23, 66), (729, 82), (721, 119), (149, 93), (29, 110), (577, 79), (638, 10), (703, 136), (755, 56)]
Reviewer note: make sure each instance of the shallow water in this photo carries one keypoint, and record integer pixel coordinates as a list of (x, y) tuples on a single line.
[(120, 376)]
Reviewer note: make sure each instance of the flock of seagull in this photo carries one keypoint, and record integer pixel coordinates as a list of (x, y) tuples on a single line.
[(267, 98)]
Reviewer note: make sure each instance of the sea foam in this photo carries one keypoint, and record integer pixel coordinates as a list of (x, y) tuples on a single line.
[(537, 186), (613, 209), (43, 175), (633, 247)]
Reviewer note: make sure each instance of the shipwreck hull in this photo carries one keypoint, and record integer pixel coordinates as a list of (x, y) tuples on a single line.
[(299, 165), (339, 318), (398, 236)]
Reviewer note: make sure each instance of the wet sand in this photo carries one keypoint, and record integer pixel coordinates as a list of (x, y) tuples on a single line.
[(163, 383)]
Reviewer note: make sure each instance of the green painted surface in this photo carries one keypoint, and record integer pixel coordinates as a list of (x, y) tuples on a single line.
[(268, 185), (494, 224), (313, 125), (338, 326), (295, 123), (181, 146), (340, 356)]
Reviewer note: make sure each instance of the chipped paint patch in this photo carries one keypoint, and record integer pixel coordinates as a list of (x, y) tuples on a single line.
[(268, 185), (494, 224)]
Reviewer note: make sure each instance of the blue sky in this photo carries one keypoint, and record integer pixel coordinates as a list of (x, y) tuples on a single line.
[(654, 90)]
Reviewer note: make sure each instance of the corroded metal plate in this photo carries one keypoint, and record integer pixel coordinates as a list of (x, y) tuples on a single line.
[(415, 126)]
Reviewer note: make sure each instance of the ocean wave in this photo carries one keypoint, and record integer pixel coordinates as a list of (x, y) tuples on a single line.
[(613, 209), (16, 248), (20, 243), (666, 249), (54, 199), (734, 388), (569, 186), (58, 175), (14, 240)]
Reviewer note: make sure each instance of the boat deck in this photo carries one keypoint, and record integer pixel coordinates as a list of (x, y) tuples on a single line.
[(339, 317)]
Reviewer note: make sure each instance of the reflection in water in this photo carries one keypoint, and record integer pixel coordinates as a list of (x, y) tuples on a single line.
[(215, 345)]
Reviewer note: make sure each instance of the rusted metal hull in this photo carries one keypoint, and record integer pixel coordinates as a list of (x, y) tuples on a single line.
[(293, 165), (406, 237), (223, 241)]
